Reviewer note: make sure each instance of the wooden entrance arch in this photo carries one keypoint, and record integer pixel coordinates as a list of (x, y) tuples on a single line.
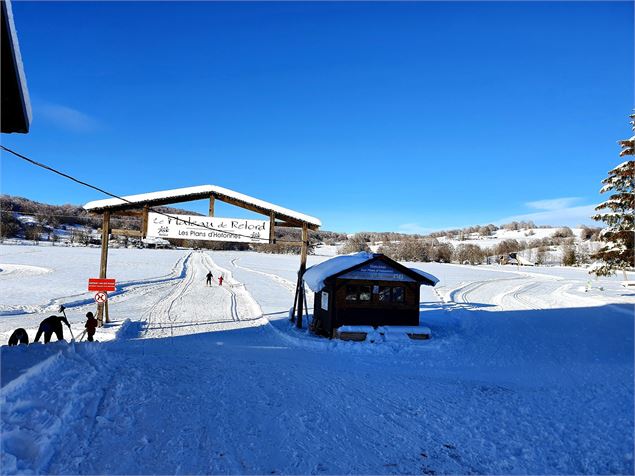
[(140, 206)]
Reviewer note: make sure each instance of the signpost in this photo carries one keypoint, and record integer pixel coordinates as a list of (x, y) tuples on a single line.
[(211, 228), (102, 286), (193, 227)]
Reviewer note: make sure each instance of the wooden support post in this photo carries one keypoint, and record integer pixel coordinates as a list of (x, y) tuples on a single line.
[(272, 228), (211, 205), (144, 222), (103, 265), (303, 255), (295, 298), (306, 304)]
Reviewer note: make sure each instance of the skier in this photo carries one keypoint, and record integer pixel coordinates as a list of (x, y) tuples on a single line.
[(209, 279), (49, 326), (91, 326), (220, 280), (19, 336)]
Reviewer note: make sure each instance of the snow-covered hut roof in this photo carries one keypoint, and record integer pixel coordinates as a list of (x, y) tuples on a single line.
[(315, 276), (432, 278), (197, 193)]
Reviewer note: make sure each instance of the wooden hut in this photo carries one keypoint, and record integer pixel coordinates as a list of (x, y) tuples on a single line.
[(364, 289)]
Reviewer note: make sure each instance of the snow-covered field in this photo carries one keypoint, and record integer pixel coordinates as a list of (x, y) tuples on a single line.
[(527, 371), (502, 234)]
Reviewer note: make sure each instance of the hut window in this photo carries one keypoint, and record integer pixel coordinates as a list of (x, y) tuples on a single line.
[(351, 293), (398, 294), (384, 293), (364, 293)]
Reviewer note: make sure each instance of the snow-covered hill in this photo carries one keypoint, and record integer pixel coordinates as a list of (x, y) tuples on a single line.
[(502, 234)]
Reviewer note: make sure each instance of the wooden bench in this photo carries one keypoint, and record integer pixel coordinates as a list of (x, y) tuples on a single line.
[(354, 333)]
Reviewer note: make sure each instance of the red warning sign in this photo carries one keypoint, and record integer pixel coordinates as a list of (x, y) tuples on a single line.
[(101, 284)]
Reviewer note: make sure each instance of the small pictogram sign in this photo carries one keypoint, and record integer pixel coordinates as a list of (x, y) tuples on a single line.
[(101, 297)]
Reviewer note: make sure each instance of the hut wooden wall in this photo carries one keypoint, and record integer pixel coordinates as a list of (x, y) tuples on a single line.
[(374, 312)]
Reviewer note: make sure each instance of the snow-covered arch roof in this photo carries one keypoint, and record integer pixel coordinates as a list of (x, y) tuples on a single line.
[(166, 197)]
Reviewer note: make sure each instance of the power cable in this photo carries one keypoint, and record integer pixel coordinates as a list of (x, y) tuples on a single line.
[(101, 190)]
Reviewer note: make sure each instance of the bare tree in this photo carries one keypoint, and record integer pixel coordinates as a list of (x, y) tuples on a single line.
[(33, 233), (469, 253), (354, 244)]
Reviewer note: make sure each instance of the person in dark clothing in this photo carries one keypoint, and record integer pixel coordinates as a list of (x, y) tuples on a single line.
[(91, 326), (49, 326), (209, 279), (220, 280), (19, 336)]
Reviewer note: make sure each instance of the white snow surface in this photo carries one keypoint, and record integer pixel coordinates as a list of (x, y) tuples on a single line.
[(527, 372), (201, 189)]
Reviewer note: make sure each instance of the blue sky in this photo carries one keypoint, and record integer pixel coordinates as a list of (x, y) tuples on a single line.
[(369, 116)]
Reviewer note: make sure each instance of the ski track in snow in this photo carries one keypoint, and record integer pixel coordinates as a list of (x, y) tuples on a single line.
[(508, 384), (285, 283), (79, 302)]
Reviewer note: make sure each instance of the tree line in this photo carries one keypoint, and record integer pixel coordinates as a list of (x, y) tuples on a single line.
[(431, 248)]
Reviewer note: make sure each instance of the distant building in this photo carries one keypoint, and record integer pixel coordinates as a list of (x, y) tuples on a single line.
[(15, 106), (364, 289), (513, 258), (154, 242)]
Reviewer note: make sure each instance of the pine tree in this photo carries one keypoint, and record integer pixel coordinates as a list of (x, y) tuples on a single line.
[(569, 256), (617, 213)]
